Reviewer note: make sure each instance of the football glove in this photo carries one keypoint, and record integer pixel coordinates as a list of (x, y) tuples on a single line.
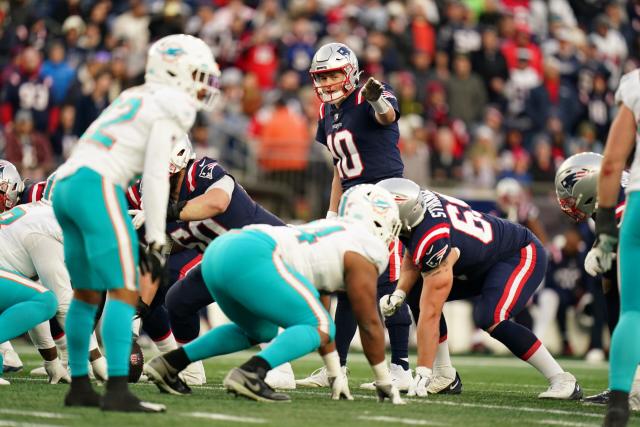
[(138, 217), (153, 261), (174, 209), (372, 90), (340, 388), (389, 304), (142, 309), (600, 258), (388, 391), (420, 382)]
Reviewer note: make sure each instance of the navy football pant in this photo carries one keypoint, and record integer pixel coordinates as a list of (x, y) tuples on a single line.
[(184, 300)]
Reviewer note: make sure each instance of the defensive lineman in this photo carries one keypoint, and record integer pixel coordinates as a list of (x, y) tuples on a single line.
[(133, 135)]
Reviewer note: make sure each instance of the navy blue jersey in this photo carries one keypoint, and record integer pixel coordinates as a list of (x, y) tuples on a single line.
[(200, 175), (363, 150), (32, 192), (482, 239)]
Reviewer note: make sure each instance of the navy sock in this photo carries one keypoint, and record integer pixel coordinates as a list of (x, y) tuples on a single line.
[(345, 327), (399, 340), (520, 340)]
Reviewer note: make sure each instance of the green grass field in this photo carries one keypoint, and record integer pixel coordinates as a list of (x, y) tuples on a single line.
[(497, 392)]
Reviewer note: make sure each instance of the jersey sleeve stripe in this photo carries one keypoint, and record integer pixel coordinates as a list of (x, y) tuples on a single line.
[(37, 191), (134, 196), (395, 260), (620, 209), (191, 177), (516, 283), (387, 94), (319, 312), (438, 232), (321, 112), (359, 98)]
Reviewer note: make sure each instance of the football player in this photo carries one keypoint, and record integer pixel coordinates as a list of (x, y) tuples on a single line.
[(133, 135), (625, 351), (287, 267), (359, 126), (206, 203), (577, 190), (460, 254)]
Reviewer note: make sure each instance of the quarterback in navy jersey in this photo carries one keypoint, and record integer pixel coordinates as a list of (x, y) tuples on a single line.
[(358, 125), (461, 253)]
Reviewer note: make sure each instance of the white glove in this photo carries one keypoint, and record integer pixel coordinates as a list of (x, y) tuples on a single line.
[(56, 371), (340, 388), (420, 382), (598, 261), (388, 391), (138, 217), (389, 304)]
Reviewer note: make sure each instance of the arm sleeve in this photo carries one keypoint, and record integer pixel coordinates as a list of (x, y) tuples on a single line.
[(155, 177), (47, 256)]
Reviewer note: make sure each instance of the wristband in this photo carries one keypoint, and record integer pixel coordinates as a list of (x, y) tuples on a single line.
[(381, 373), (332, 362), (331, 214), (380, 105)]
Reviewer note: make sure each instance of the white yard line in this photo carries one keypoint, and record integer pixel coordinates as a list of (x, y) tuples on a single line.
[(224, 417), (396, 420), (21, 424), (35, 413), (563, 423)]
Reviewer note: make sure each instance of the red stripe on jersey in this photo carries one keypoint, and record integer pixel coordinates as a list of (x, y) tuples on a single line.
[(516, 283), (440, 231), (133, 195), (37, 191), (321, 113), (191, 177), (188, 266), (620, 209), (359, 98), (395, 260), (536, 345)]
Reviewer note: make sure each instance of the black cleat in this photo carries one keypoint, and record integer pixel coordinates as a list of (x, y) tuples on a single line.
[(125, 401), (454, 388), (598, 399), (250, 385), (88, 398), (617, 410), (165, 377)]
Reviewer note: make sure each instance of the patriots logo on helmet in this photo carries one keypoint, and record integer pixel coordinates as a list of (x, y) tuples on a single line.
[(344, 51), (570, 180)]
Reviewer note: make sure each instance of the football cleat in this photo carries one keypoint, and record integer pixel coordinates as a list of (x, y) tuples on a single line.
[(617, 411), (563, 386), (56, 371), (165, 377), (194, 374), (444, 382), (4, 382), (598, 399), (250, 385), (400, 378), (318, 378), (127, 402), (38, 372), (634, 400), (83, 398), (11, 360), (281, 378)]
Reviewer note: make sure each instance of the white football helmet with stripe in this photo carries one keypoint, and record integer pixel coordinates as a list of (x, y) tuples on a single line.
[(181, 153), (11, 185), (334, 57), (372, 207)]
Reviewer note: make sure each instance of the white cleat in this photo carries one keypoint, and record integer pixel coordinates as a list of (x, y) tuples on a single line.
[(445, 380), (399, 377), (563, 386), (38, 372), (11, 360), (634, 400), (318, 378), (4, 382), (99, 369), (281, 378), (56, 372), (194, 374)]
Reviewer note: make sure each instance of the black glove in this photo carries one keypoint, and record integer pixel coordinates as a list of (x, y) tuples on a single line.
[(174, 209), (153, 261), (372, 90), (142, 309)]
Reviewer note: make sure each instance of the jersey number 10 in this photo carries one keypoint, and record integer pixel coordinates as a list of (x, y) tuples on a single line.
[(344, 150)]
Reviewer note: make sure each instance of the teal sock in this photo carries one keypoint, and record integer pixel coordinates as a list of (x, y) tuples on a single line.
[(625, 352), (1, 363), (116, 336), (294, 342), (78, 327), (224, 339)]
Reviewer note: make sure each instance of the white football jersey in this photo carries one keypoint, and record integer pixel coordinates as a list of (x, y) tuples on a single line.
[(316, 250), (628, 93), (17, 227)]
